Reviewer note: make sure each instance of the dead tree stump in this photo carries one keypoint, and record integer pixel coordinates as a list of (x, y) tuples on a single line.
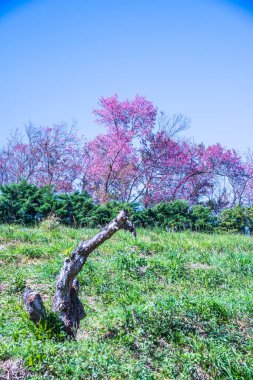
[(66, 303)]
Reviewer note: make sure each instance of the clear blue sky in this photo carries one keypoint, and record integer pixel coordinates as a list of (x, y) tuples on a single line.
[(57, 57)]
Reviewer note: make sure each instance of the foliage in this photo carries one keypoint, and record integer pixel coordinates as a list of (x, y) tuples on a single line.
[(24, 203), (177, 216), (27, 204), (47, 156), (162, 306), (202, 219), (74, 209), (104, 213), (141, 156), (237, 218), (174, 215)]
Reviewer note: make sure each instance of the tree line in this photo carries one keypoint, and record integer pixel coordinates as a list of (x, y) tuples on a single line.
[(28, 204), (141, 156)]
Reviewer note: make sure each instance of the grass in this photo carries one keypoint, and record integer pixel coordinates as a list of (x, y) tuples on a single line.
[(163, 306)]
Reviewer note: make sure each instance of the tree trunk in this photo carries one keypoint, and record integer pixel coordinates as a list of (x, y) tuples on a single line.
[(66, 302)]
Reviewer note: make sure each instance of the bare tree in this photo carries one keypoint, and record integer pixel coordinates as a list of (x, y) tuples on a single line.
[(66, 303)]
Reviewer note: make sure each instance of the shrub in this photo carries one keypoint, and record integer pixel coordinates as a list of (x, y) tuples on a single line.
[(202, 219), (237, 218), (174, 215), (74, 209), (104, 213), (24, 203)]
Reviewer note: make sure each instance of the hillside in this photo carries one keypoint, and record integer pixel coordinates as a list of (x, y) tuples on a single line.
[(163, 306)]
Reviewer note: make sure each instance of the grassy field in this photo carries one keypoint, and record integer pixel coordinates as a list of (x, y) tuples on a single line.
[(163, 306)]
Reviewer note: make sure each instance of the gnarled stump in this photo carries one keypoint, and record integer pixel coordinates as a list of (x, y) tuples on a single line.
[(66, 302), (34, 305)]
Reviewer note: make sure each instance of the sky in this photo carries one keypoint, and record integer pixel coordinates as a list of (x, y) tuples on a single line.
[(58, 57)]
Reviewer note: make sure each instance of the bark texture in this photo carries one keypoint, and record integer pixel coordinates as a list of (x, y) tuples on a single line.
[(34, 305), (66, 302)]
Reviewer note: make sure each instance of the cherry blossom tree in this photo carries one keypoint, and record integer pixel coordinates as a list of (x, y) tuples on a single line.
[(141, 156), (113, 156), (45, 155), (18, 160), (58, 151)]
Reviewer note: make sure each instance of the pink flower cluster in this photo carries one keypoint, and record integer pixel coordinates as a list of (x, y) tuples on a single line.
[(133, 160)]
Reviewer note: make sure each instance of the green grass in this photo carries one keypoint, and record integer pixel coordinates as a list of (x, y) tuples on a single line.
[(163, 306)]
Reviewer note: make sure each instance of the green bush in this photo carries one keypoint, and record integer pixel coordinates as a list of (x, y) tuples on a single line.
[(202, 218), (145, 217), (174, 215), (25, 203), (237, 218), (104, 213), (74, 209)]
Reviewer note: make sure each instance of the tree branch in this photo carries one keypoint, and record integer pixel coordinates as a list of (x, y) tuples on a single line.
[(66, 302)]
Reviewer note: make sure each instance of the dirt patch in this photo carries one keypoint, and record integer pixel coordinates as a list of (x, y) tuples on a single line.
[(201, 374), (109, 334), (142, 270), (91, 301), (3, 287), (199, 266), (7, 244), (82, 334), (24, 260), (245, 327), (12, 370)]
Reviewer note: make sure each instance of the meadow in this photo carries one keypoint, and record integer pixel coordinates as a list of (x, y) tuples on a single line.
[(162, 306)]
